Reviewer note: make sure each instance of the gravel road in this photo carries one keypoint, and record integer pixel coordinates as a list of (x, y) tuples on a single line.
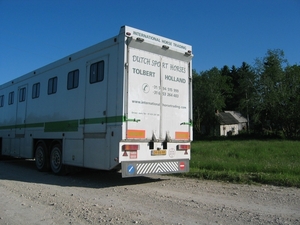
[(97, 197)]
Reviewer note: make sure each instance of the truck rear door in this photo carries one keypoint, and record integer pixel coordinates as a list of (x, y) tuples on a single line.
[(158, 96), (157, 105)]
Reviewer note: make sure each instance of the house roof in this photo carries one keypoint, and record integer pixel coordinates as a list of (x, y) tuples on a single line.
[(238, 116), (226, 118)]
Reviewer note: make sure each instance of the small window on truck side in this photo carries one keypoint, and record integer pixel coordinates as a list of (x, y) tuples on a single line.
[(73, 79), (97, 72), (11, 98), (52, 85), (22, 94), (36, 90), (1, 100)]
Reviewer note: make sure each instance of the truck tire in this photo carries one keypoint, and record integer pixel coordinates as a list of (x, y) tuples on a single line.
[(42, 157), (56, 162)]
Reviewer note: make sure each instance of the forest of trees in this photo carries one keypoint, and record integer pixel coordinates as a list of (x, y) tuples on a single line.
[(268, 93)]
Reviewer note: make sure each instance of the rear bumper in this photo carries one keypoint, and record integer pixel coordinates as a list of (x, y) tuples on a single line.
[(143, 168)]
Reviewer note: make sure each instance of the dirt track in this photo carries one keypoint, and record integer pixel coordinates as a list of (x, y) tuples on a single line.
[(95, 197)]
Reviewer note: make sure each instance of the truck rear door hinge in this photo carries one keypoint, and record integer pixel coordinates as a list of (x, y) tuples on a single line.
[(186, 123), (132, 120)]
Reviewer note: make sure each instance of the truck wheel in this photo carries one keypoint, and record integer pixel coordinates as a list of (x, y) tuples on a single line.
[(57, 166), (41, 157)]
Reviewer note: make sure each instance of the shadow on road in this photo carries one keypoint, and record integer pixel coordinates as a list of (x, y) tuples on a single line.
[(25, 171)]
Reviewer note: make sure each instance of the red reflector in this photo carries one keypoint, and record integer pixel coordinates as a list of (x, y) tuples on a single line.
[(183, 147), (181, 165), (130, 147)]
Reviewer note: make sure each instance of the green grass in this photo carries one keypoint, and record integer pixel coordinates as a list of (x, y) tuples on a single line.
[(255, 161)]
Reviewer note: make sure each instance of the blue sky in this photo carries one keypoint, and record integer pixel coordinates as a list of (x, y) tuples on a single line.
[(34, 33)]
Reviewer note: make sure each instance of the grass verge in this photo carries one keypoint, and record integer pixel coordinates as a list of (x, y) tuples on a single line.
[(255, 161)]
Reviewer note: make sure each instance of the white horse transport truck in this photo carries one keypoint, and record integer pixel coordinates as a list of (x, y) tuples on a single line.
[(124, 101)]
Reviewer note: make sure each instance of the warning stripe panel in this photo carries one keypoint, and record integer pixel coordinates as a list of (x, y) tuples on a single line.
[(136, 134), (179, 135), (157, 167)]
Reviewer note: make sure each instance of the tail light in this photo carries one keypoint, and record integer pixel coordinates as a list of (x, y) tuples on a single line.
[(130, 147), (183, 147)]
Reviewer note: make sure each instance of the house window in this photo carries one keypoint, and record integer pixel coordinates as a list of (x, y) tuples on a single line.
[(1, 100), (97, 72), (73, 79), (11, 98), (22, 94), (36, 90), (52, 85), (233, 130)]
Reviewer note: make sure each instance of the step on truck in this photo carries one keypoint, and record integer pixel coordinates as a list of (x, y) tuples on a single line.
[(124, 101)]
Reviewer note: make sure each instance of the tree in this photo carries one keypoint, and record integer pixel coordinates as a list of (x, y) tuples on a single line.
[(229, 93), (246, 92), (196, 99), (278, 89), (291, 103), (268, 93), (209, 96)]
